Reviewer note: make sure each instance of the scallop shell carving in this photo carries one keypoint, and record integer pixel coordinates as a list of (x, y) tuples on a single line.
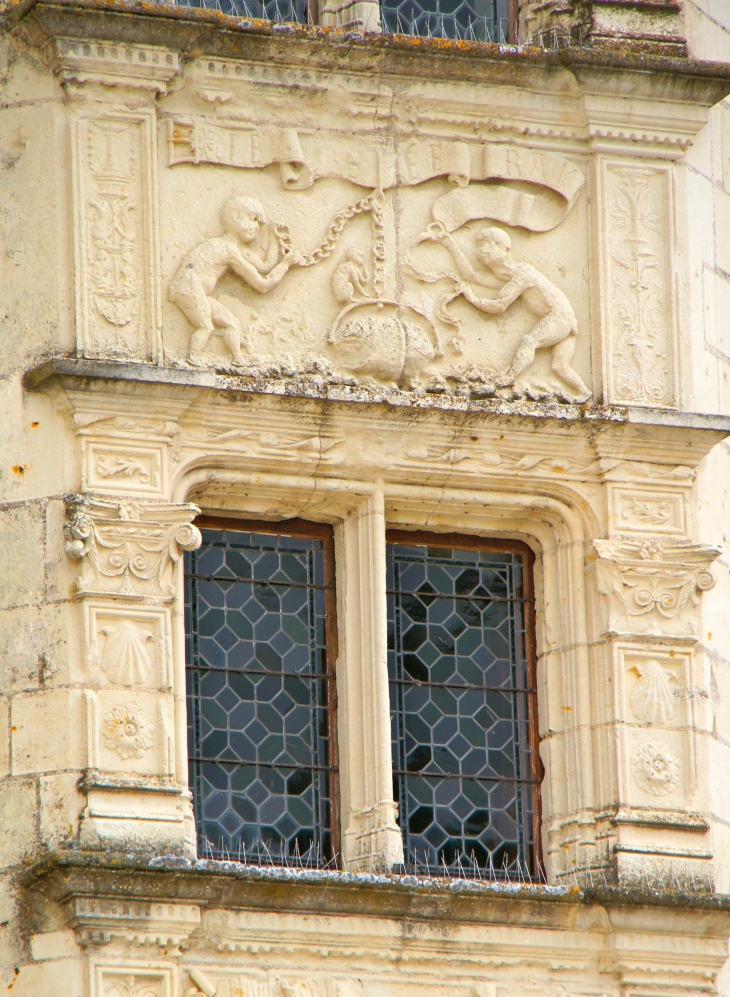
[(651, 699), (125, 658)]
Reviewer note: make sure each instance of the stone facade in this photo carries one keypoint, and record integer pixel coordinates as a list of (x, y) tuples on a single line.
[(381, 283)]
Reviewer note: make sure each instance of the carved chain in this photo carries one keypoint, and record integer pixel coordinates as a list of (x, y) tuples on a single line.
[(373, 203)]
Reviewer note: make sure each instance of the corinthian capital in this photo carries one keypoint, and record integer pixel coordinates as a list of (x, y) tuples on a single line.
[(128, 549)]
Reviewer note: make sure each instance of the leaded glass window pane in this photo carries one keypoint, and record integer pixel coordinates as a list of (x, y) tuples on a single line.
[(259, 690), (463, 20), (461, 705)]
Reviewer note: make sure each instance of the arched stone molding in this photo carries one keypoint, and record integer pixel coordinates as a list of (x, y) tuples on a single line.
[(555, 528), (600, 502)]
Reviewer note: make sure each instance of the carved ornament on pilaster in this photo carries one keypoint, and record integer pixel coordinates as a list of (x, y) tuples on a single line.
[(653, 585), (142, 67), (99, 921), (128, 549)]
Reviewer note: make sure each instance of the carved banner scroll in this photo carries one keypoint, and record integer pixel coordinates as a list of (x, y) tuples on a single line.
[(247, 147), (303, 159), (117, 295), (463, 163)]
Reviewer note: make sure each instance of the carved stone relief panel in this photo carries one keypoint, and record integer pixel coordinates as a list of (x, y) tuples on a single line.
[(125, 454), (132, 981), (125, 468), (648, 510), (661, 694), (116, 230), (129, 732), (130, 647), (423, 264), (210, 982), (638, 285)]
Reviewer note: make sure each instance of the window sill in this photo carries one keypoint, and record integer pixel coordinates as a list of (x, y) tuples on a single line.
[(64, 877)]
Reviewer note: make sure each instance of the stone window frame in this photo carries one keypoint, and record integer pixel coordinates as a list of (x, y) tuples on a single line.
[(360, 512)]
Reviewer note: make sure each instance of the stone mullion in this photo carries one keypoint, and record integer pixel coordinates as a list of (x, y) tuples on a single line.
[(371, 839)]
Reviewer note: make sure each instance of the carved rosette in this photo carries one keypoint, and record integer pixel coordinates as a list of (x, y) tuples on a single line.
[(127, 548), (656, 768), (128, 731), (653, 586)]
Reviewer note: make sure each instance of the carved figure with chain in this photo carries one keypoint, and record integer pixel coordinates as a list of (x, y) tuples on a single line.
[(556, 328), (193, 286)]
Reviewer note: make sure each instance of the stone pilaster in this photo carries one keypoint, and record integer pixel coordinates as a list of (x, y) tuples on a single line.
[(646, 27)]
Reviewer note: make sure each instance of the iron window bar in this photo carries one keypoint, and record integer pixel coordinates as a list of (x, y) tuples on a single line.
[(264, 765), (462, 598), (259, 581), (324, 677), (420, 774), (462, 688)]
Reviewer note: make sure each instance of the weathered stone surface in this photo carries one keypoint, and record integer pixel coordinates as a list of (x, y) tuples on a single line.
[(375, 282)]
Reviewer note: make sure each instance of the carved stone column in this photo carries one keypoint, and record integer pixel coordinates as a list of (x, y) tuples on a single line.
[(128, 550), (651, 27), (371, 839), (357, 15)]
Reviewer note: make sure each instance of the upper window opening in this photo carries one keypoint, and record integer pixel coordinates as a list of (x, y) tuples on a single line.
[(260, 687), (461, 20), (461, 669)]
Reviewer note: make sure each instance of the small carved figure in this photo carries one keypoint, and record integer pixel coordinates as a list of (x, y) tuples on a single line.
[(193, 285), (349, 277), (557, 326)]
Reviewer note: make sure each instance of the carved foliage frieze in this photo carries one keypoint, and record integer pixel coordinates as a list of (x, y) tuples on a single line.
[(653, 586), (116, 234), (638, 286), (128, 549)]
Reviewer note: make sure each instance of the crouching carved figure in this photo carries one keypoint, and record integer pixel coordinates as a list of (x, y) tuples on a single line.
[(194, 284)]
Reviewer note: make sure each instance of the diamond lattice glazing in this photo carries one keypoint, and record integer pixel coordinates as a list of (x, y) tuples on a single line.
[(257, 700), (465, 20), (460, 707)]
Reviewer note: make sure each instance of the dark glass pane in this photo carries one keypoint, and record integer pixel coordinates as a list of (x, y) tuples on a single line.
[(258, 731), (464, 20), (463, 774), (296, 11)]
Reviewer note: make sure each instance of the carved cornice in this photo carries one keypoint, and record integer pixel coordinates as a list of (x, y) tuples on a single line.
[(239, 907), (62, 876), (98, 921), (69, 372), (114, 64)]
